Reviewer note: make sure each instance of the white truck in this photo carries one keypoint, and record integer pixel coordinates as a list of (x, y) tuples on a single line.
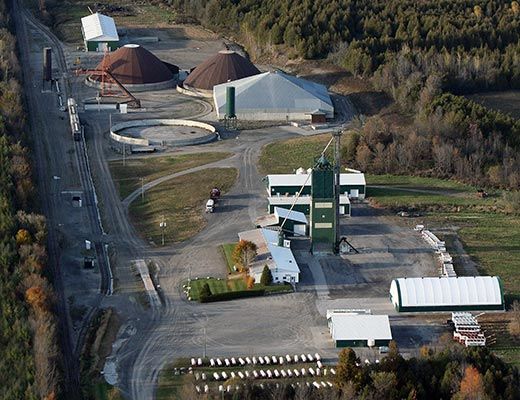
[(210, 205)]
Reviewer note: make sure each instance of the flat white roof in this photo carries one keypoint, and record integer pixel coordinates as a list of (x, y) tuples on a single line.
[(302, 200), (99, 27), (301, 179), (447, 291), (351, 326), (292, 215)]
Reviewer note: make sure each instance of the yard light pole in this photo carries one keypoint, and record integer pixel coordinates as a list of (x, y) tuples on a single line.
[(162, 225), (142, 189), (205, 342)]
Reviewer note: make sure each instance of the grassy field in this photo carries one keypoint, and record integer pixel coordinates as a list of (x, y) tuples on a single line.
[(128, 177), (66, 15), (227, 250), (507, 101), (500, 340), (405, 181), (176, 385), (181, 201), (289, 155), (489, 235), (424, 198), (230, 285), (170, 385)]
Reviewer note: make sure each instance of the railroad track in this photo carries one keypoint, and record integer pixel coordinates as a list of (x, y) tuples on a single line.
[(71, 351), (82, 158)]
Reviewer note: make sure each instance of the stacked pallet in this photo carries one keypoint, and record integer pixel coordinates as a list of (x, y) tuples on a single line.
[(467, 329), (446, 260)]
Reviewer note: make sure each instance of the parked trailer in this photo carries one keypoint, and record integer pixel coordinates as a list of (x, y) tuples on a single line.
[(75, 124)]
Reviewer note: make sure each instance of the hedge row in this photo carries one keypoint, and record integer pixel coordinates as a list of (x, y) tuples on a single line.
[(232, 295)]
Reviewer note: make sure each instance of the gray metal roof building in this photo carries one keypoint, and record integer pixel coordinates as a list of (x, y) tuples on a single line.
[(350, 328), (274, 96)]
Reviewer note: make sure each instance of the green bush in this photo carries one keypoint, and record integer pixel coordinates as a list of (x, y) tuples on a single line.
[(267, 277), (231, 295), (205, 292)]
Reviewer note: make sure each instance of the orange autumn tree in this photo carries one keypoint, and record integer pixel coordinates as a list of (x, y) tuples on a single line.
[(36, 297), (471, 385), (244, 254)]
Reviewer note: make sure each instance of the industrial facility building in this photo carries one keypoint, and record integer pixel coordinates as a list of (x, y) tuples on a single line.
[(468, 293), (283, 188), (352, 184), (275, 96), (137, 69), (303, 203), (358, 328), (279, 259), (225, 66), (99, 33), (293, 221)]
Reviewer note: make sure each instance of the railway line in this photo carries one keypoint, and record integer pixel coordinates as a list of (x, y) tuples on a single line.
[(47, 158)]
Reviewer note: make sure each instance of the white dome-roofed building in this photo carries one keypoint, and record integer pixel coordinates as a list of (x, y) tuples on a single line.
[(466, 293), (274, 96)]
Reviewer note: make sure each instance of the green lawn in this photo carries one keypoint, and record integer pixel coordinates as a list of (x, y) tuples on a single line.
[(181, 202), (169, 385), (128, 177), (230, 285), (396, 198), (288, 155), (417, 182), (227, 250)]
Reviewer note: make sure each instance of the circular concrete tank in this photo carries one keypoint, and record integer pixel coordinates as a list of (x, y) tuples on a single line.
[(163, 132)]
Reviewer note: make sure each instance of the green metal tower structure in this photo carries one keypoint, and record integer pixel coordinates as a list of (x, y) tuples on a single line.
[(323, 208)]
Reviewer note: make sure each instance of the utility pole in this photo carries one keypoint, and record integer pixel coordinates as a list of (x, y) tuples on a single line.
[(142, 189), (163, 226), (337, 185), (124, 151), (205, 343)]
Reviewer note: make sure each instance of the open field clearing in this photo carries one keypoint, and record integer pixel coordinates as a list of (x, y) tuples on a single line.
[(66, 21), (507, 101), (128, 177), (490, 236), (429, 198), (286, 156), (417, 181), (181, 202)]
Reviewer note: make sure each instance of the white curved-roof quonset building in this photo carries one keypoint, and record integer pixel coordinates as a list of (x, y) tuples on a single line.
[(447, 294)]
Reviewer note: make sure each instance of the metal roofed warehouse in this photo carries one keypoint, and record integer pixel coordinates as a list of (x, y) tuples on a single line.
[(274, 96), (447, 294), (358, 329)]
